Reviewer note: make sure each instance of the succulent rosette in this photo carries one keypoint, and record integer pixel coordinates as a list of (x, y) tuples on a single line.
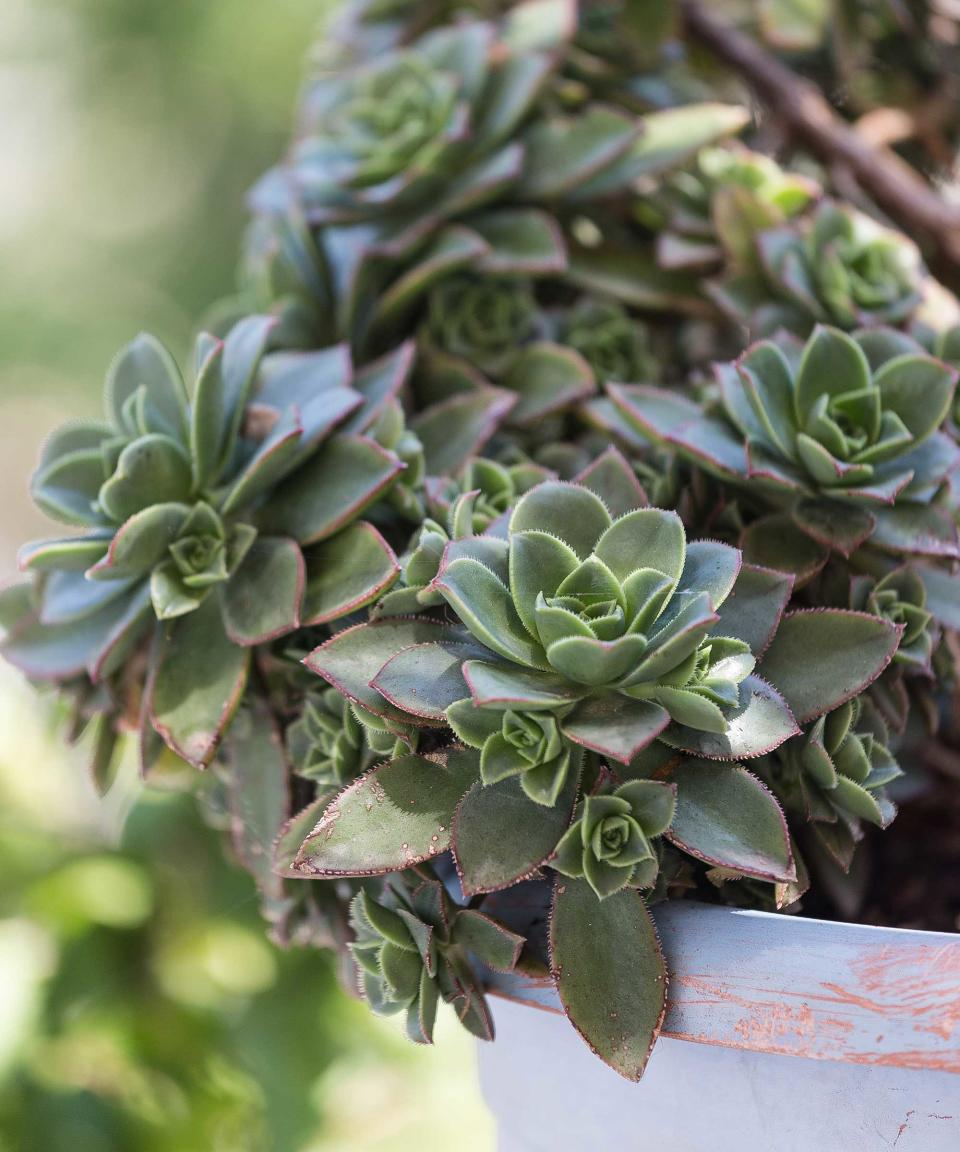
[(483, 496), (834, 778), (216, 520), (838, 267), (610, 841), (412, 949), (847, 435), (615, 344), (710, 213)]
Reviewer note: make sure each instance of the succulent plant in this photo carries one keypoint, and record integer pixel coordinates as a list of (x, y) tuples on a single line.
[(640, 642), (838, 267), (613, 343), (710, 213), (609, 842), (835, 778), (327, 742), (210, 520), (845, 435), (411, 948)]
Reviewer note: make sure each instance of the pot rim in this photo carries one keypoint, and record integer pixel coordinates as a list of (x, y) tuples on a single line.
[(786, 985)]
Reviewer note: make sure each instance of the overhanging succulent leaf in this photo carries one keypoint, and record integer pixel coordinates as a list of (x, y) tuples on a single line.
[(94, 643), (563, 153), (199, 680), (615, 482), (727, 818), (635, 278), (821, 658), (776, 543), (521, 242), (610, 972), (547, 377), (494, 944), (66, 554), (346, 572), (397, 815), (763, 723), (616, 726), (501, 836), (258, 791)]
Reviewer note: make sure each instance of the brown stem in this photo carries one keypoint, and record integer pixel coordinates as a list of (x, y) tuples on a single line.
[(890, 180)]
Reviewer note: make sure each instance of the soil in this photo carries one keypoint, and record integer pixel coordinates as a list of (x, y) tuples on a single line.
[(915, 878)]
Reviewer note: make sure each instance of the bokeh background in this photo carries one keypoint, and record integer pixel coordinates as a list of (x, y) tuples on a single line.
[(141, 1007)]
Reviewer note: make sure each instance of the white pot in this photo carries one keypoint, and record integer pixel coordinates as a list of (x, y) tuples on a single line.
[(782, 1035)]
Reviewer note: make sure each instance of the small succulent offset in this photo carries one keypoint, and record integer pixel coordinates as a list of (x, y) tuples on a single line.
[(838, 267), (574, 644), (412, 950), (835, 778), (609, 843), (710, 213)]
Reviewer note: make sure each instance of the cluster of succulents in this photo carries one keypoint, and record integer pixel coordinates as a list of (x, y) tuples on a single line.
[(563, 518)]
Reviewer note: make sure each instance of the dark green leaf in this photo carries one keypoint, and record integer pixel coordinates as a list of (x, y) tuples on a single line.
[(610, 972), (397, 815)]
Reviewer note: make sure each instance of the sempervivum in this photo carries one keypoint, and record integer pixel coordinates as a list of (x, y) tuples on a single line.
[(216, 519), (847, 438), (837, 267)]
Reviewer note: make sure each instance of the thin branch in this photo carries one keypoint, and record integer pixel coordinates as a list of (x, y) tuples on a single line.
[(895, 186)]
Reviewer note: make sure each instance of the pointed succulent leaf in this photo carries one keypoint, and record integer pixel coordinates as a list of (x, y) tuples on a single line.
[(397, 815), (146, 365), (485, 606), (425, 679), (495, 945), (611, 477), (753, 610), (457, 428), (820, 658), (68, 596), (610, 972), (727, 818), (351, 659), (760, 724), (616, 726), (506, 686), (333, 488), (501, 836), (346, 572), (66, 554), (263, 597), (561, 154), (672, 136), (95, 643), (258, 791), (209, 418), (546, 378), (197, 684), (520, 242)]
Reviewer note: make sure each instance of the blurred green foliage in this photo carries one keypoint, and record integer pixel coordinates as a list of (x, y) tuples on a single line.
[(141, 1007)]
